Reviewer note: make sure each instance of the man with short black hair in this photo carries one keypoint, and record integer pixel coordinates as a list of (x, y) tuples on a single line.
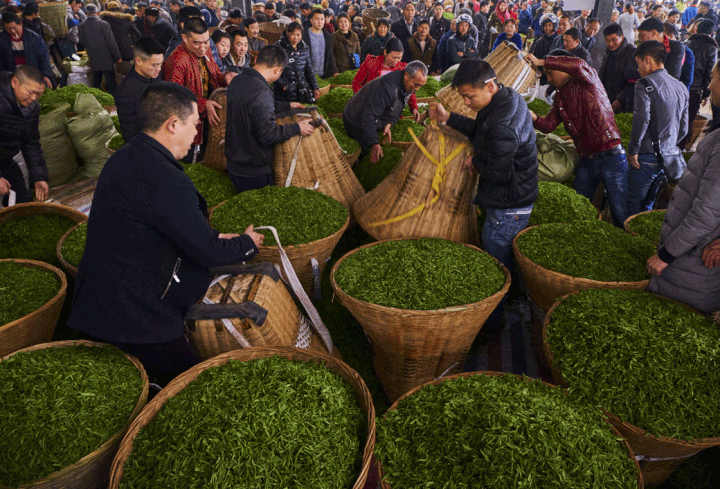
[(319, 41), (149, 249), (31, 20), (439, 25), (20, 46), (255, 42), (618, 71), (422, 47), (270, 12), (162, 30), (211, 13), (235, 18), (405, 27), (564, 23), (571, 41), (653, 30), (588, 34), (102, 50)]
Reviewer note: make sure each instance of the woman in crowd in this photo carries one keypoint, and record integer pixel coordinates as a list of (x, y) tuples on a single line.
[(345, 44), (509, 34), (375, 43), (297, 82), (497, 19)]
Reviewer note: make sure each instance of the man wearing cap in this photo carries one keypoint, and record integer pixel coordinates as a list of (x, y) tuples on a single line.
[(102, 50), (162, 30)]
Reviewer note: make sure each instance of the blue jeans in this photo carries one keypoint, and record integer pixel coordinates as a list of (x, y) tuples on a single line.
[(612, 171), (642, 186)]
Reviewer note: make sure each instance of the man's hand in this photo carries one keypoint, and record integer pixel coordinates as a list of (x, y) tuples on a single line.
[(534, 116), (535, 62), (616, 106), (4, 186), (296, 105), (376, 153), (41, 191), (633, 160), (711, 254), (48, 83), (387, 135), (468, 166), (228, 235), (256, 237), (460, 53), (416, 116), (705, 101), (118, 61), (213, 118), (229, 76), (316, 94), (655, 265), (438, 112), (306, 128)]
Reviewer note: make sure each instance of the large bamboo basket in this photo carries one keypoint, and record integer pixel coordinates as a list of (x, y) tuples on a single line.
[(394, 406), (39, 325), (698, 125), (352, 159), (282, 325), (179, 383), (214, 156), (93, 470), (511, 68), (271, 31), (319, 160), (122, 69), (370, 16), (55, 14), (66, 266), (669, 453), (412, 347), (409, 186), (324, 90), (627, 222), (452, 101)]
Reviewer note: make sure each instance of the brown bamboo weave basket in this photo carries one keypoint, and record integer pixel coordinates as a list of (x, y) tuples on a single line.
[(404, 145), (93, 470), (66, 266), (409, 186), (324, 90), (319, 159), (183, 380), (271, 31), (452, 101), (385, 485), (370, 16), (349, 87), (698, 125), (412, 347), (281, 327), (214, 156), (55, 14), (352, 158), (511, 68), (626, 225), (426, 100), (671, 452)]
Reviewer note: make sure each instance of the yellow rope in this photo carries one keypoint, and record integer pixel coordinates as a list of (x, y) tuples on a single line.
[(438, 178)]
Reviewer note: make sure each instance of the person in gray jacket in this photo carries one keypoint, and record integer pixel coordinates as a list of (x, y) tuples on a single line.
[(102, 50), (686, 265), (672, 112)]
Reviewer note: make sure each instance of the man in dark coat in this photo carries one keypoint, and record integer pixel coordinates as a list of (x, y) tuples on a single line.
[(19, 117), (251, 131), (125, 32), (439, 25), (705, 49), (422, 47), (543, 45), (102, 50), (652, 29), (316, 37), (480, 20), (405, 27), (572, 42), (162, 30), (150, 249), (148, 64), (618, 71), (21, 46)]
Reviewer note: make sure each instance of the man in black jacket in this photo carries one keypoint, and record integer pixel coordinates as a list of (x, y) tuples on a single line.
[(481, 22), (378, 106), (150, 249), (439, 25), (652, 29), (405, 27), (316, 38), (572, 42), (19, 117), (251, 130), (148, 64), (162, 30), (618, 71), (705, 49)]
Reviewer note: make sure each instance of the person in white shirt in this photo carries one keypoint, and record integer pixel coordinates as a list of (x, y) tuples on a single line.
[(629, 21)]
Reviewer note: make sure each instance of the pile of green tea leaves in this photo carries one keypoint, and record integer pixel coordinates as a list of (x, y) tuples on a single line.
[(33, 237), (321, 83), (420, 274), (624, 123), (648, 225), (559, 203), (344, 78), (687, 155), (542, 108), (647, 360), (370, 175), (400, 132), (59, 405), (69, 93), (421, 108), (592, 249), (24, 290), (500, 432), (300, 215), (117, 141), (347, 144), (335, 100), (73, 247), (263, 423), (430, 88), (216, 187)]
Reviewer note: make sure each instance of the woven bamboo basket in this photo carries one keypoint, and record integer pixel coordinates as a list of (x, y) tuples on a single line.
[(385, 485), (452, 101), (412, 347), (669, 453), (352, 158), (54, 14), (409, 186), (349, 87), (93, 470), (271, 32), (626, 225), (66, 266), (404, 145), (511, 68), (319, 160), (370, 16), (279, 322), (426, 100), (698, 125), (122, 69), (179, 383), (324, 90), (214, 156)]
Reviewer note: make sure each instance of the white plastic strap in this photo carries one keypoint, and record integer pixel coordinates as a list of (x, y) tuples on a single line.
[(293, 164), (534, 90), (300, 292), (12, 199), (226, 322), (521, 79), (643, 458), (447, 370)]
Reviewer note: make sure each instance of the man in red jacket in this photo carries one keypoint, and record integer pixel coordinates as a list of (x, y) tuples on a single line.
[(582, 104), (192, 66)]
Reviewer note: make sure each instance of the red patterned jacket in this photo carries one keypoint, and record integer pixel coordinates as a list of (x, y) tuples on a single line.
[(182, 67), (371, 68)]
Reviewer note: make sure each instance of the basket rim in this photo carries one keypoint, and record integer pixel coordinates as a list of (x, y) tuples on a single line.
[(247, 354), (372, 11), (697, 442), (139, 405), (345, 298), (490, 373), (72, 270), (46, 208), (49, 304), (626, 224), (581, 280)]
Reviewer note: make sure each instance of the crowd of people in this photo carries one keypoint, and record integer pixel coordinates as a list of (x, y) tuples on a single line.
[(659, 63)]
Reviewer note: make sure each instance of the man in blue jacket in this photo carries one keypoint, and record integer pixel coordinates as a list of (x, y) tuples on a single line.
[(20, 46)]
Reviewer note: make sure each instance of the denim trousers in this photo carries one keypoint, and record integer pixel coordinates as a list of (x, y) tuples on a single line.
[(612, 171), (643, 183)]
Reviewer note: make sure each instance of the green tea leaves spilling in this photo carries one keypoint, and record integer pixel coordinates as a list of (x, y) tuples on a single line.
[(344, 78), (321, 83), (335, 100), (299, 215), (257, 424), (59, 405), (73, 247), (216, 187), (370, 175), (559, 203), (399, 131), (499, 432), (420, 274), (118, 141), (593, 249), (430, 88), (69, 93), (648, 225), (347, 144), (24, 290), (33, 237), (647, 360)]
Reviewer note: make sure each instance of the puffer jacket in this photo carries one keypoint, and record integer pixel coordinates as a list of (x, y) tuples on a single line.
[(298, 78), (705, 50), (692, 221), (124, 31), (374, 45), (618, 74), (464, 44), (541, 47), (505, 146)]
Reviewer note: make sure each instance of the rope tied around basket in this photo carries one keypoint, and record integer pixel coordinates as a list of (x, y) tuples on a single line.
[(438, 178)]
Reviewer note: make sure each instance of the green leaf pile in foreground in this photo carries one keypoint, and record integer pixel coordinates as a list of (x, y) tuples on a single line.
[(335, 100), (216, 187), (262, 423), (344, 78), (400, 132), (647, 360), (420, 274), (347, 144), (321, 83), (69, 93), (648, 225), (24, 290), (558, 203), (499, 432), (33, 237), (370, 175), (73, 247), (430, 88)]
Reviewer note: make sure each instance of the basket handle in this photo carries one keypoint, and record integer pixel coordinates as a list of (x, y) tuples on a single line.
[(263, 268), (12, 199)]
